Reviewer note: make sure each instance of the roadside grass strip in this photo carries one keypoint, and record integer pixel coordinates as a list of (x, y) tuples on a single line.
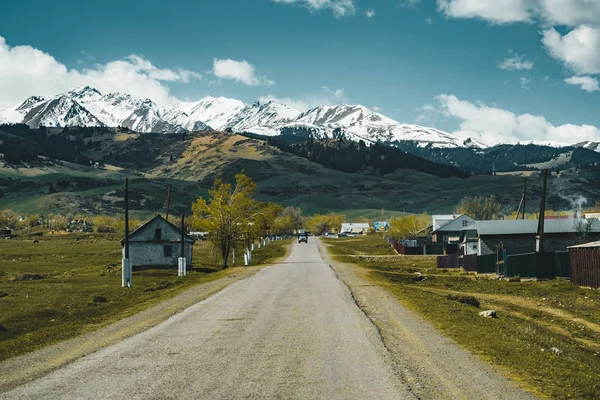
[(546, 336), (66, 286)]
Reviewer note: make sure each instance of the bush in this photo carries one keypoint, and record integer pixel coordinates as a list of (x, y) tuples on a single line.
[(469, 300)]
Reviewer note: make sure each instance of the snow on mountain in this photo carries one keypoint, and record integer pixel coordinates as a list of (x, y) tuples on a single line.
[(216, 112), (17, 113), (357, 122), (263, 118), (147, 116), (112, 108), (60, 111), (87, 106), (595, 146)]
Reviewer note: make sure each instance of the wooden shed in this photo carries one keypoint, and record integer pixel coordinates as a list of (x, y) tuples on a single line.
[(585, 264), (158, 243)]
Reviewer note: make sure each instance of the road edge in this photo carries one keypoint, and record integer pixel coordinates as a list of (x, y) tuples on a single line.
[(25, 368), (420, 353)]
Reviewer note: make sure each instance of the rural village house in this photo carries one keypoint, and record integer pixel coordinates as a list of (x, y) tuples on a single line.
[(158, 243), (448, 231), (519, 236), (355, 228)]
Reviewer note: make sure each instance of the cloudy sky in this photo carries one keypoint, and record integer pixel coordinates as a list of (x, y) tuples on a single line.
[(500, 70)]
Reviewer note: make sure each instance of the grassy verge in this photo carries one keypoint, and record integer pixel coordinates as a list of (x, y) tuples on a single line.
[(69, 285), (546, 336)]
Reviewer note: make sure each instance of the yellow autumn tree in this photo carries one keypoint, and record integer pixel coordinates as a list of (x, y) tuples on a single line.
[(408, 227)]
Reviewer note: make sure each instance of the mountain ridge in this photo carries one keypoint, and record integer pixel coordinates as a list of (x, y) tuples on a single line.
[(86, 106)]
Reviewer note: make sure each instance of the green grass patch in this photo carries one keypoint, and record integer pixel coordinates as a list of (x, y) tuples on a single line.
[(69, 285), (546, 336), (361, 245)]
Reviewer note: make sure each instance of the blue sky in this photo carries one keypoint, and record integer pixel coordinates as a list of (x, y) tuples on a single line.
[(432, 62)]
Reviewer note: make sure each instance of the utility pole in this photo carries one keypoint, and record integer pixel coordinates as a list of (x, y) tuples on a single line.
[(540, 234), (126, 269), (524, 197), (168, 201)]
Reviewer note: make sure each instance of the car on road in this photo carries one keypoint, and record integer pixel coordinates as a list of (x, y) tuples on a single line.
[(302, 238)]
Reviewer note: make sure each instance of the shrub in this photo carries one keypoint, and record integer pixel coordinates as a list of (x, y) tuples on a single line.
[(469, 300)]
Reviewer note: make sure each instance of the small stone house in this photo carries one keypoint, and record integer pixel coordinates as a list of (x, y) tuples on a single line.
[(158, 243)]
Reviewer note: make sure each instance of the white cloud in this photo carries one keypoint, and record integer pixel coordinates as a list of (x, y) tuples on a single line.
[(524, 82), (515, 61), (240, 71), (587, 83), (579, 49), (493, 125), (26, 71), (370, 13), (376, 108), (429, 21), (410, 3), (570, 12), (326, 97), (547, 12), (493, 11), (340, 8)]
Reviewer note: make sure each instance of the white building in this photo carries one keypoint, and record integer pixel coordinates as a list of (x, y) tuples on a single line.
[(355, 228)]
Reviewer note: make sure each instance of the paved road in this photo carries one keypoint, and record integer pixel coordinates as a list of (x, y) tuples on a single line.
[(291, 331)]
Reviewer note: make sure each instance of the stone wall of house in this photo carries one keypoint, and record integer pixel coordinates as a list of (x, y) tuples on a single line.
[(148, 249)]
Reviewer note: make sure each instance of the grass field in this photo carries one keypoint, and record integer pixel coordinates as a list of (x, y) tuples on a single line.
[(55, 290), (546, 336)]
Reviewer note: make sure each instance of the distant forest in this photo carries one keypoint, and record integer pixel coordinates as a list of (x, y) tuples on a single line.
[(20, 143), (348, 156)]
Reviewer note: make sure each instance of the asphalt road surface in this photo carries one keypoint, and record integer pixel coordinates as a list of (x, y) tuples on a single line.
[(292, 331)]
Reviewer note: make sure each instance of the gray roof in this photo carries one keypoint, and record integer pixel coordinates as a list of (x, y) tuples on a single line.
[(530, 226), (455, 225), (188, 238), (588, 245)]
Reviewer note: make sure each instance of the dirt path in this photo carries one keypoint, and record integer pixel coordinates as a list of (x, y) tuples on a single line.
[(434, 366)]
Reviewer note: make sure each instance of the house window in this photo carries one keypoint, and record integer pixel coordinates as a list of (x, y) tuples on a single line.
[(168, 251), (465, 223), (157, 234)]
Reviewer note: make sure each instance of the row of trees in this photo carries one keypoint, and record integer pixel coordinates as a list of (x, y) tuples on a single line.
[(234, 218), (349, 156)]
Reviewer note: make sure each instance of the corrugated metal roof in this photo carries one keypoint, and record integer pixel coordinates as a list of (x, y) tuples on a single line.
[(589, 245), (356, 225), (530, 226)]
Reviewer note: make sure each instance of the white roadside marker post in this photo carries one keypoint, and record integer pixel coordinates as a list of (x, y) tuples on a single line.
[(181, 262)]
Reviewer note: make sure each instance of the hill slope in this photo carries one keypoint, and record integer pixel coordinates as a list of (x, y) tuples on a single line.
[(190, 162)]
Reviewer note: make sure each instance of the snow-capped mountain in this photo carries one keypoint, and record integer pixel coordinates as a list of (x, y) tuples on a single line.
[(87, 106), (263, 119), (360, 123), (17, 113), (216, 112), (60, 111)]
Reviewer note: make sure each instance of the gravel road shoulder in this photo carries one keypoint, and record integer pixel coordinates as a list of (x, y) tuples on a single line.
[(433, 366)]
